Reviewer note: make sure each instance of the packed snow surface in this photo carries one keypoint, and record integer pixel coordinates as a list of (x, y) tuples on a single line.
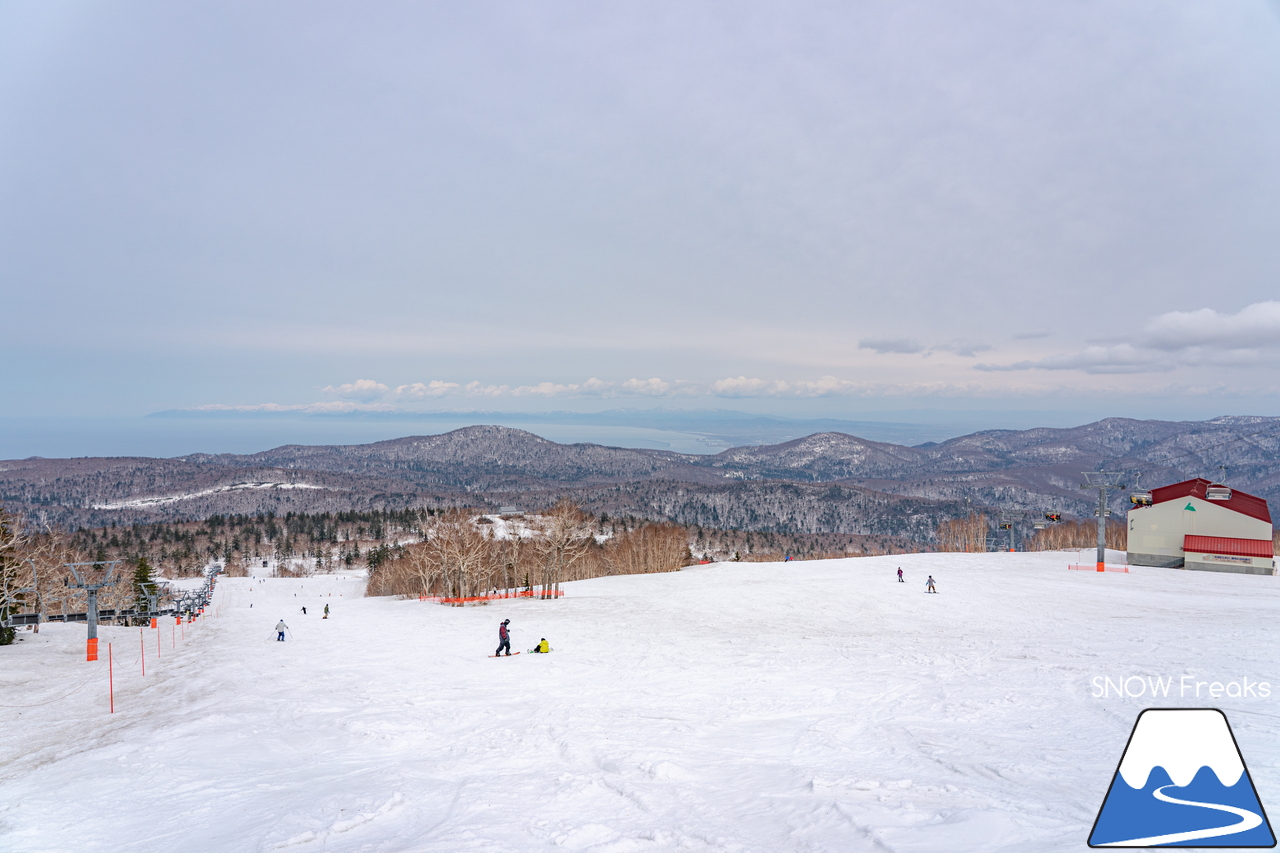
[(806, 706)]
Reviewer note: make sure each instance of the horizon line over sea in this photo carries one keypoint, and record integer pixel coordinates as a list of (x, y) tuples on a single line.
[(159, 437)]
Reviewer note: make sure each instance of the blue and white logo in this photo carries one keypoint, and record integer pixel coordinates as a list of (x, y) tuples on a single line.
[(1182, 783)]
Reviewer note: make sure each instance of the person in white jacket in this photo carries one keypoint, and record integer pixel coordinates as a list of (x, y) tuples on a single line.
[(280, 629)]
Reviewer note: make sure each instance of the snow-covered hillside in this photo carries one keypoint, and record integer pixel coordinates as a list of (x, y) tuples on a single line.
[(816, 706)]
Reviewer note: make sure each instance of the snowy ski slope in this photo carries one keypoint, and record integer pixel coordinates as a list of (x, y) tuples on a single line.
[(812, 706)]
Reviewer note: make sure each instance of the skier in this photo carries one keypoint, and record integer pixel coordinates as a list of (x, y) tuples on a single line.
[(280, 629), (542, 648), (929, 585), (326, 611), (504, 638), (900, 580), (304, 611)]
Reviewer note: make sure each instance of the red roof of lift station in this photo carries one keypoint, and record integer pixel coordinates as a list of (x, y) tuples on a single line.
[(1241, 502)]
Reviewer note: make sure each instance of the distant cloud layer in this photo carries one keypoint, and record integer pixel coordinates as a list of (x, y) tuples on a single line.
[(906, 346), (733, 387), (1176, 339)]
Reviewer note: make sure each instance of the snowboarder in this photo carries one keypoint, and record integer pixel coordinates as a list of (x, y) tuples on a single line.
[(929, 585), (326, 611), (542, 648), (304, 611), (280, 629), (900, 580), (504, 638)]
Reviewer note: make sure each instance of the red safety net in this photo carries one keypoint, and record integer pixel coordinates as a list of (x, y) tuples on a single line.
[(496, 596)]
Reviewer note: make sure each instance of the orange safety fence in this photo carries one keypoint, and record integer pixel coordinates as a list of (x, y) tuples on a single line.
[(497, 596), (1093, 567)]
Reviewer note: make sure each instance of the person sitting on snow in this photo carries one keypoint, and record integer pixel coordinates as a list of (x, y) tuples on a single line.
[(542, 648)]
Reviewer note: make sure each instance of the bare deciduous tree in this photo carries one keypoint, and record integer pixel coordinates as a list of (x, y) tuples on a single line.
[(963, 534), (565, 534), (461, 557)]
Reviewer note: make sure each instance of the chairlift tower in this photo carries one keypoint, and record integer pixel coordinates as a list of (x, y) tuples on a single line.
[(1007, 521), (92, 577), (1102, 481), (152, 593)]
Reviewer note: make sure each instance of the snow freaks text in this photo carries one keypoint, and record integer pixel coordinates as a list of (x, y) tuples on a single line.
[(1181, 687)]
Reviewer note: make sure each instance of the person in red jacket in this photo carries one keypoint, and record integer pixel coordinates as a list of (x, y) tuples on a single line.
[(504, 638)]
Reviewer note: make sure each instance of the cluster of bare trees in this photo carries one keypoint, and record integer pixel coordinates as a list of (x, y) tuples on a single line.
[(963, 534), (970, 534), (33, 574), (460, 557), (1078, 534)]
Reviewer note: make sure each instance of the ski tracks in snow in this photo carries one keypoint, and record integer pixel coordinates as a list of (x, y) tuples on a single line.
[(745, 707)]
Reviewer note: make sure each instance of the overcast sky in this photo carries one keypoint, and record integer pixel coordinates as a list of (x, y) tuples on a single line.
[(798, 207)]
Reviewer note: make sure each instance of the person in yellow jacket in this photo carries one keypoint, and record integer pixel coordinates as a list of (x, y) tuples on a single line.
[(542, 648)]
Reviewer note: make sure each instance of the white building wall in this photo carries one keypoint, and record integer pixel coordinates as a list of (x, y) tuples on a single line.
[(1158, 531), (1209, 562)]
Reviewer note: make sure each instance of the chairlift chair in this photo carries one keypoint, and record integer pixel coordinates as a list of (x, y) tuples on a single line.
[(1218, 492), (1140, 497), (1053, 517)]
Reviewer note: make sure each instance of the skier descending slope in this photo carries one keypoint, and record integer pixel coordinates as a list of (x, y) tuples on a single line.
[(900, 580), (504, 638), (929, 585), (280, 629)]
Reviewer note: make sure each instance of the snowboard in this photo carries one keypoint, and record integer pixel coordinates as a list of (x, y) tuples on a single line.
[(513, 654)]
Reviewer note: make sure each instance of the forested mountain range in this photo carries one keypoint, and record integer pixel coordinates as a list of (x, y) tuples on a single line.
[(827, 482)]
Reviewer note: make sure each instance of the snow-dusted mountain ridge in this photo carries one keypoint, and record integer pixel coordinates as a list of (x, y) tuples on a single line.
[(484, 465)]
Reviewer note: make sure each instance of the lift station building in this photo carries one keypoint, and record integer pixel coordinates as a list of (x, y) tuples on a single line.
[(1197, 525)]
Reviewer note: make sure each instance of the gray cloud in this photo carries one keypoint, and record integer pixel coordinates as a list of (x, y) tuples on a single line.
[(1176, 339), (962, 348), (906, 346), (891, 345), (1256, 326)]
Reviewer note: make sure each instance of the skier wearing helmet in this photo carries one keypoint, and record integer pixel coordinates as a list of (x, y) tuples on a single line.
[(504, 638)]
